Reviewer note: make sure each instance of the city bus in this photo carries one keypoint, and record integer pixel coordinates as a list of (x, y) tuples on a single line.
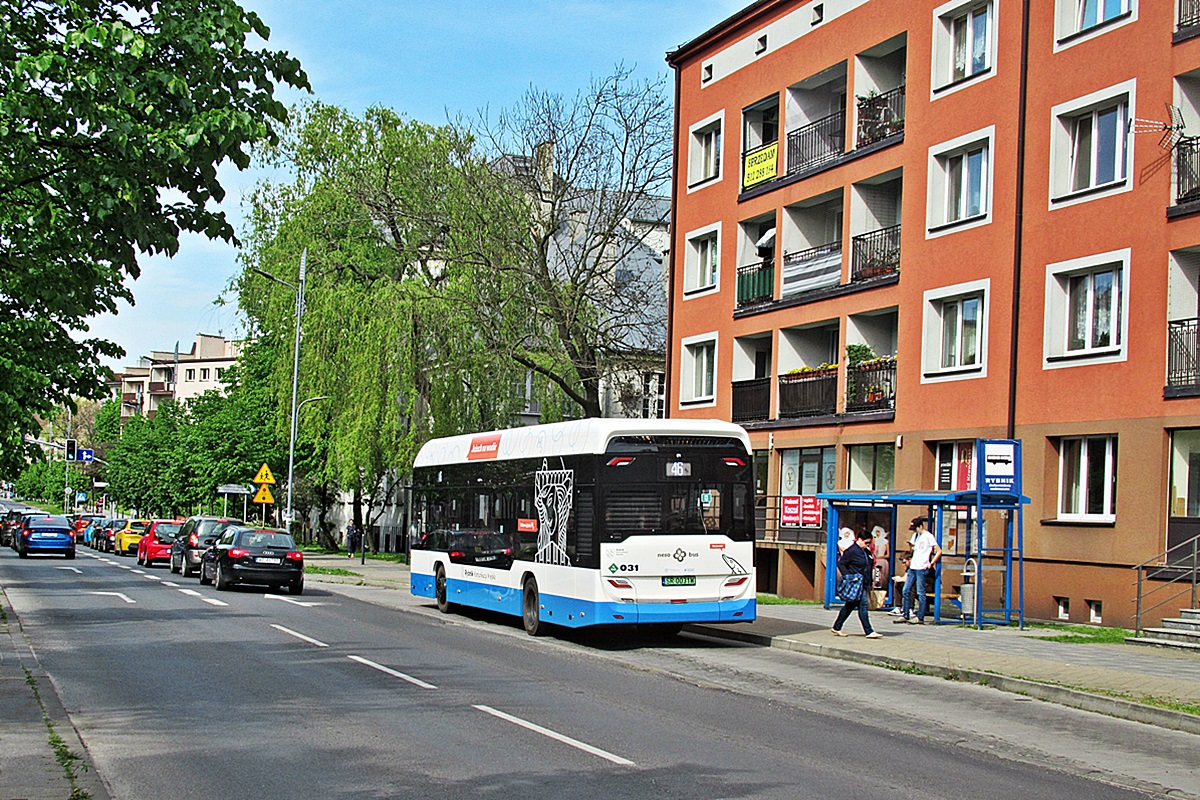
[(589, 522)]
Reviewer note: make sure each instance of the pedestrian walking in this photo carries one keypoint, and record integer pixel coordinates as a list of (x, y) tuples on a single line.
[(857, 567), (924, 556), (351, 539)]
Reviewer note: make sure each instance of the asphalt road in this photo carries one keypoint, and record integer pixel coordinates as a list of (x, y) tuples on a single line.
[(181, 691)]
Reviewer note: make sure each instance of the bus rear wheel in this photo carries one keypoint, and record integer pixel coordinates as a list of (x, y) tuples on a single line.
[(531, 611), (444, 605)]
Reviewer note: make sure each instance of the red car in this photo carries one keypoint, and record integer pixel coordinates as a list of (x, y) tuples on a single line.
[(155, 544)]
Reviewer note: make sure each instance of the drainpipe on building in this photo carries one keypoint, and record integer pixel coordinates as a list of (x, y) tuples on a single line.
[(1019, 223), (671, 228)]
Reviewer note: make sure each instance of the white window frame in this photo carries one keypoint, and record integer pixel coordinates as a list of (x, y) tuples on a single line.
[(1056, 354), (1078, 446), (1068, 24), (693, 269), (190, 374), (204, 374), (942, 81), (935, 300), (1063, 130), (942, 158), (698, 161), (693, 348)]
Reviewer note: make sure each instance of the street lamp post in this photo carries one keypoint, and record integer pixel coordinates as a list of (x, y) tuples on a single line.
[(292, 450)]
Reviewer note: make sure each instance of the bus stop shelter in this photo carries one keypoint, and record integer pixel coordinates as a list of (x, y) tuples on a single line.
[(963, 588)]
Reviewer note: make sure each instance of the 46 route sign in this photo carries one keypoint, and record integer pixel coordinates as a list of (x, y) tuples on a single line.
[(264, 479)]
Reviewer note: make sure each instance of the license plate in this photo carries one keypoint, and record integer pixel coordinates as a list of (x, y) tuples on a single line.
[(268, 561), (679, 580), (45, 536), (486, 558)]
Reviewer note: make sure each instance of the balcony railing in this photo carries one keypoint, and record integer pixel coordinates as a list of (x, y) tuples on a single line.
[(875, 254), (1183, 352), (131, 399), (1187, 169), (756, 283), (1189, 13), (813, 268), (808, 394), (880, 116), (751, 400), (816, 143), (159, 387), (871, 385)]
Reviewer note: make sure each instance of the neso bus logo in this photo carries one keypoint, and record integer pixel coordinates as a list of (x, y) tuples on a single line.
[(484, 447)]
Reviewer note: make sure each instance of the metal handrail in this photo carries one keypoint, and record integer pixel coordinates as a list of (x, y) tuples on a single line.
[(1161, 564)]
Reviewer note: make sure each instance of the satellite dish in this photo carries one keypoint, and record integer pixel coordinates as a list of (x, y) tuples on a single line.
[(1171, 130)]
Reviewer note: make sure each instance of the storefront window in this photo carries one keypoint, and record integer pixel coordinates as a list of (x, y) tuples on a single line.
[(1185, 473), (955, 467), (805, 472), (872, 467)]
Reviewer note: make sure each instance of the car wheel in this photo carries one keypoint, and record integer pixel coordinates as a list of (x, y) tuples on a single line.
[(530, 609), (439, 582), (223, 581), (296, 588), (139, 559), (174, 570), (70, 554), (204, 579), (22, 553), (184, 568)]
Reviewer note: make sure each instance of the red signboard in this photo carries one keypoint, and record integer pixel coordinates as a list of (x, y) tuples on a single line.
[(484, 447), (789, 513), (527, 525), (810, 512)]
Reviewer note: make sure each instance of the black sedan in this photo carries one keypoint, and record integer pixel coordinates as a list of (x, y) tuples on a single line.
[(254, 555)]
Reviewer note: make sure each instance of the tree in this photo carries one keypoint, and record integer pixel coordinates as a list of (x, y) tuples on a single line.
[(114, 116)]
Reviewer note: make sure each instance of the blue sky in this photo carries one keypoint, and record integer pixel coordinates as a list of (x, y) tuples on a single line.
[(429, 60)]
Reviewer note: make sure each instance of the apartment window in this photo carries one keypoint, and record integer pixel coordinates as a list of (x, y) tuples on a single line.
[(191, 374), (1086, 310), (699, 379), (204, 374), (220, 373), (1090, 147), (872, 467), (704, 157), (955, 332), (959, 182), (1087, 486), (702, 259), (963, 42), (654, 395), (1077, 17)]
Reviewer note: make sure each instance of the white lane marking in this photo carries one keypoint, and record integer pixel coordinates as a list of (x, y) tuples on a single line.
[(212, 601), (587, 748), (76, 570), (115, 594), (168, 583), (290, 600), (138, 572), (191, 592), (299, 635), (152, 577), (392, 672), (123, 566)]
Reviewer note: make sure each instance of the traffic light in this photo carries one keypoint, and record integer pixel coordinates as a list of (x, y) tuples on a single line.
[(71, 447)]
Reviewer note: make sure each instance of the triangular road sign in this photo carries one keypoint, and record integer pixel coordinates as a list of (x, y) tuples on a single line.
[(264, 476), (264, 495)]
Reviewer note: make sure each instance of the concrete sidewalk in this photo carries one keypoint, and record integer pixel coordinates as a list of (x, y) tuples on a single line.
[(1116, 679)]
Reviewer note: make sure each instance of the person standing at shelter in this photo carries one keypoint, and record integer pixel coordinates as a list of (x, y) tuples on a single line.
[(925, 554), (857, 560)]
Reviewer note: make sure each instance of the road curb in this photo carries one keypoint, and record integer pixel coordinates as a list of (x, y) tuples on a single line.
[(1062, 695)]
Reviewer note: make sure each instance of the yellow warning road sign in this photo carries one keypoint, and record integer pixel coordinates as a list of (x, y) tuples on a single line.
[(264, 495), (264, 476)]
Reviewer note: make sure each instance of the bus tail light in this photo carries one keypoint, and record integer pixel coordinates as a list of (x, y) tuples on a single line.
[(737, 580), (619, 583), (734, 462)]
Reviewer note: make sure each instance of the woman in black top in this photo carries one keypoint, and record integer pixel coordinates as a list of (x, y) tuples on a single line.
[(857, 560)]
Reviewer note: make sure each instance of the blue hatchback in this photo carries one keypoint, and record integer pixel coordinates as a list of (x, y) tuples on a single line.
[(46, 534)]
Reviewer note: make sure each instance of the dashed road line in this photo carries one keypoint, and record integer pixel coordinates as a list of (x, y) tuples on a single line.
[(152, 577), (115, 594), (190, 592), (76, 570), (138, 572), (392, 672), (299, 635), (171, 584), (212, 601), (585, 747)]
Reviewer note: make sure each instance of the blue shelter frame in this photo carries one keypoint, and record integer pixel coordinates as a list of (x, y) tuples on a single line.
[(992, 493)]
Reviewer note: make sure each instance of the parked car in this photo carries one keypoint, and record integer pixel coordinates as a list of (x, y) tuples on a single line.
[(102, 534), (81, 522), (485, 548), (10, 525), (15, 539), (155, 544), (46, 533), (196, 536), (254, 555), (126, 538)]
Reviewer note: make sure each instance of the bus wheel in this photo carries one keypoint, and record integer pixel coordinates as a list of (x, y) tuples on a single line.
[(444, 605), (531, 613)]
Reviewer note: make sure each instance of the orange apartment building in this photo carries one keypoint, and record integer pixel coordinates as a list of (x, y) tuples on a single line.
[(900, 225)]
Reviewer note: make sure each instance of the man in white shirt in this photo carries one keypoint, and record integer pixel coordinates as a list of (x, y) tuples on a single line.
[(925, 555)]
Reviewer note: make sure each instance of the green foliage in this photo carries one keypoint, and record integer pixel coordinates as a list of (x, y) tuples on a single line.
[(41, 480), (114, 115)]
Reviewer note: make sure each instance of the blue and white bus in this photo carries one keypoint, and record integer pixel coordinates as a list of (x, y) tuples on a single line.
[(590, 522)]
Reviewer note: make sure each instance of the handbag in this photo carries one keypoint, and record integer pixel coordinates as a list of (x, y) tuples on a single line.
[(850, 587)]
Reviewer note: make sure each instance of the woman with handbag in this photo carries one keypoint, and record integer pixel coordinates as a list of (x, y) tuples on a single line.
[(856, 566)]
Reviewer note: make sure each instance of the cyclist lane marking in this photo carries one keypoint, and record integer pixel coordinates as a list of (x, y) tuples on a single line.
[(584, 746)]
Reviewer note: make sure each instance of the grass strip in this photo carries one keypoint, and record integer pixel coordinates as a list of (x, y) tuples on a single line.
[(776, 600), (311, 570), (1082, 634), (68, 760)]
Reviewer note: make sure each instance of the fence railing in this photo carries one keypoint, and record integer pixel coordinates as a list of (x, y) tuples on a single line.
[(880, 116), (875, 254), (1174, 571), (1183, 352), (808, 394), (751, 400), (756, 282), (1189, 13), (816, 143), (871, 385), (1187, 169)]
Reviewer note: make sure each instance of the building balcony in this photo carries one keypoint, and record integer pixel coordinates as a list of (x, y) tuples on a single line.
[(1187, 169), (751, 400), (1189, 13), (880, 116), (810, 393), (875, 254), (131, 399), (1183, 358), (160, 388), (813, 268), (756, 283), (816, 144), (871, 385)]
